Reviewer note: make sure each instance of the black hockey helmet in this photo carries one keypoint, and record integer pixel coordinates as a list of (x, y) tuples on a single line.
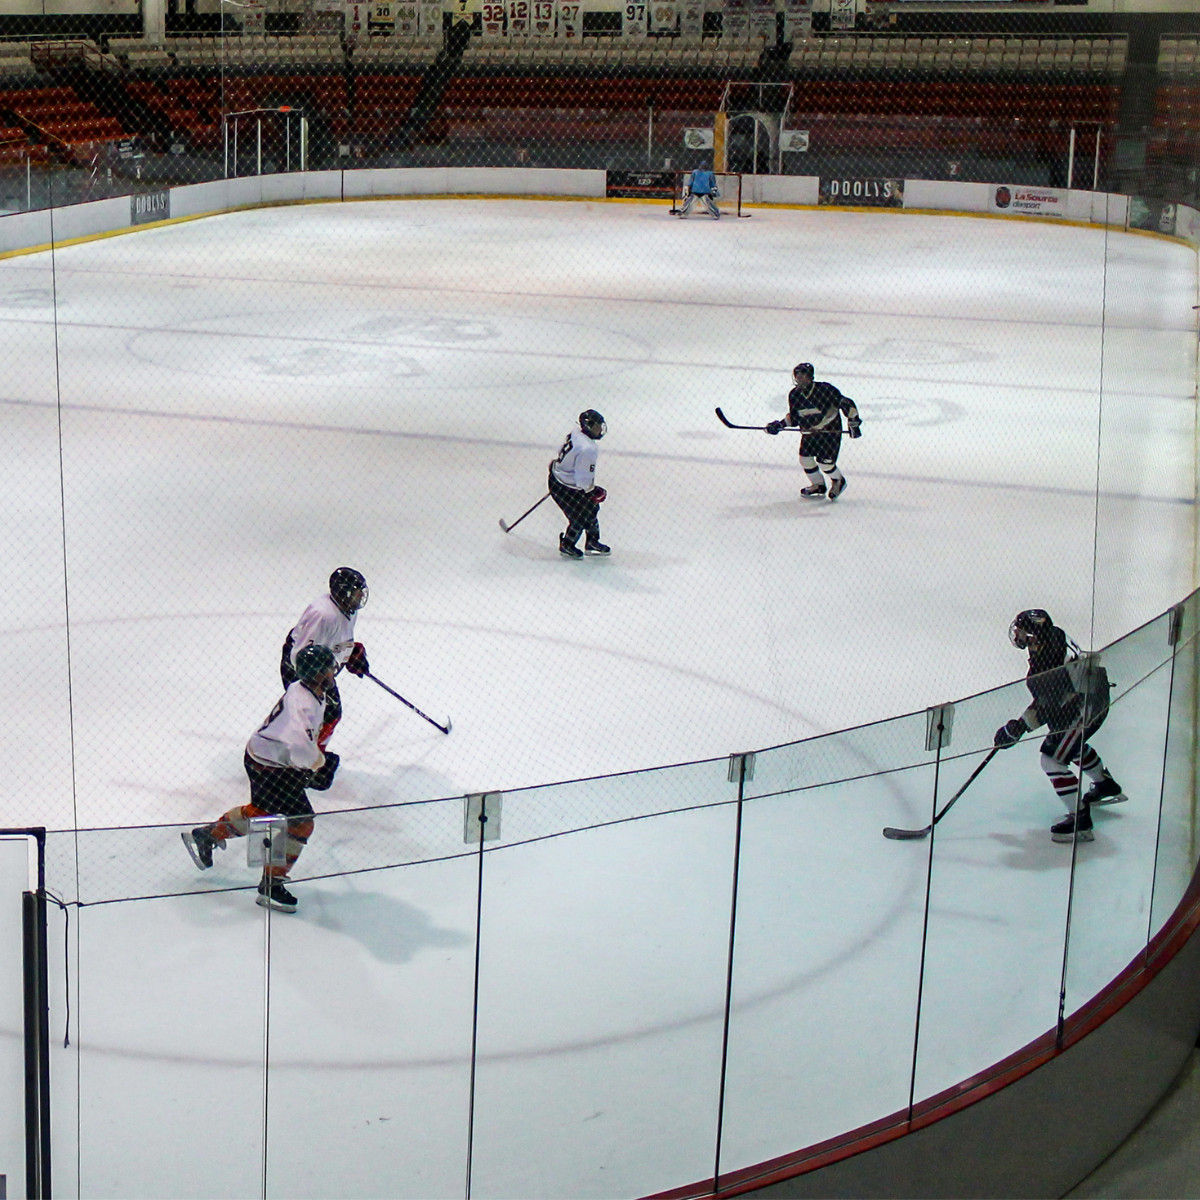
[(593, 424), (313, 661), (1031, 624), (805, 369), (343, 583)]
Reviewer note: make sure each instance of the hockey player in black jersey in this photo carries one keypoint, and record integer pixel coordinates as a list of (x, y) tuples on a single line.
[(1070, 695), (816, 408)]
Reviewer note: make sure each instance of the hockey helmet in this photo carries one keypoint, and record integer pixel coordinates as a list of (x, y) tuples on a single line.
[(1028, 626), (343, 583), (314, 661), (805, 369), (593, 424)]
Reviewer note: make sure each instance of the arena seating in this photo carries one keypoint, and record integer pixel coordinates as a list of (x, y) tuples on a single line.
[(58, 116)]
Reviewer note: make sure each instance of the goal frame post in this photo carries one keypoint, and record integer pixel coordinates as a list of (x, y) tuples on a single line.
[(729, 184)]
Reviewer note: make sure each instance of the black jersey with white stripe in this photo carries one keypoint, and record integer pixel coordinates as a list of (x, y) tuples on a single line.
[(817, 407)]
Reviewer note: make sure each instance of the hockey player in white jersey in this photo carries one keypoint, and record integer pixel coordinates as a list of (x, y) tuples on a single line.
[(573, 486), (329, 621), (282, 759)]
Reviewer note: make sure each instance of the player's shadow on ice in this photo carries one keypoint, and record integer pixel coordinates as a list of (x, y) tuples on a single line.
[(389, 929), (1034, 851)]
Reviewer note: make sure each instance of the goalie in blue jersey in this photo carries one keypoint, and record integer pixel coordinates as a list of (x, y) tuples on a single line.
[(703, 184)]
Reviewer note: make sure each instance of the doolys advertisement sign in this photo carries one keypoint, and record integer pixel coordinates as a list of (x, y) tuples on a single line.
[(875, 193)]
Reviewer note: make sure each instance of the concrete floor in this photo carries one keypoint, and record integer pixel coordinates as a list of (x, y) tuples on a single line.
[(1161, 1158)]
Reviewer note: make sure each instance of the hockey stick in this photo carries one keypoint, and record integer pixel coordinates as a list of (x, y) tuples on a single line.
[(760, 428), (912, 835), (444, 728), (510, 528)]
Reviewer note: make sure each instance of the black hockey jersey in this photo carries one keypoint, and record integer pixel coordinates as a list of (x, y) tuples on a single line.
[(1062, 684), (816, 407)]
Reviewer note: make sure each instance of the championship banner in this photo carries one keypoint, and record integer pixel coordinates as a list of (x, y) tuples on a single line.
[(793, 141), (633, 25), (664, 16), (762, 20), (735, 21), (858, 193), (640, 185), (797, 19), (254, 17), (841, 14), (542, 18), (691, 19), (430, 18), (405, 18), (698, 139), (1029, 201), (381, 18), (570, 20), (354, 25), (491, 18)]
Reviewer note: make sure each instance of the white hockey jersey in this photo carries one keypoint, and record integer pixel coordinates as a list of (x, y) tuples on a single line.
[(324, 624), (288, 737), (575, 466)]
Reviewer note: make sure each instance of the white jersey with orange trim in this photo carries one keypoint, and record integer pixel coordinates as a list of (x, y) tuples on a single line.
[(575, 466), (288, 737), (324, 624)]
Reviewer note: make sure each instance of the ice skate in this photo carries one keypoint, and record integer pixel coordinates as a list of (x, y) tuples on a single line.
[(568, 549), (272, 894), (813, 492), (837, 487), (595, 546), (1070, 830), (1107, 791), (200, 845)]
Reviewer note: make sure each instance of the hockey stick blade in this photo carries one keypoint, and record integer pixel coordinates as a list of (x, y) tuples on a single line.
[(509, 528), (907, 835), (506, 528)]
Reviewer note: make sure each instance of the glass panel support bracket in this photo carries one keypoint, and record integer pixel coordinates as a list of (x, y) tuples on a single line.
[(1175, 625), (939, 723), (266, 843), (741, 768), (481, 817)]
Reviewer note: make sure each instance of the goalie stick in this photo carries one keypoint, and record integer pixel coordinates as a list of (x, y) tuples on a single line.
[(760, 428), (912, 835), (444, 728), (510, 528)]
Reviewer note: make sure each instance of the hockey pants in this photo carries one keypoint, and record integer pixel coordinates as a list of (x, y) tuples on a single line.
[(274, 792), (1070, 746), (708, 200), (818, 452), (333, 698), (581, 511)]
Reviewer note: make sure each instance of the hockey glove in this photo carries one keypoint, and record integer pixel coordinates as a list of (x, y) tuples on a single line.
[(855, 428), (775, 426), (1010, 733), (322, 778), (598, 494), (357, 663)]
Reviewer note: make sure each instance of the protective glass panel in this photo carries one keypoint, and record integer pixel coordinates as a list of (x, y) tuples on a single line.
[(830, 918), (1175, 862), (372, 985), (1114, 873), (169, 1045), (603, 959), (998, 895)]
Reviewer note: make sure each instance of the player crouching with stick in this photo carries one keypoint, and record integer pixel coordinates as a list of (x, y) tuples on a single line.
[(1070, 694), (282, 759), (703, 184), (573, 486), (816, 408)]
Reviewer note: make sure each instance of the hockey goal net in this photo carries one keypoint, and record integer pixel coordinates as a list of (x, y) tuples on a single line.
[(729, 202)]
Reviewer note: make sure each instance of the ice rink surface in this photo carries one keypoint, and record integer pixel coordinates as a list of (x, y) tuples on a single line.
[(251, 400)]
